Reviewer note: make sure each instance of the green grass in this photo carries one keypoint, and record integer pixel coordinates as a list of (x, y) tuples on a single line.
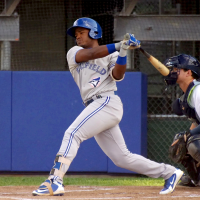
[(114, 181), (86, 181)]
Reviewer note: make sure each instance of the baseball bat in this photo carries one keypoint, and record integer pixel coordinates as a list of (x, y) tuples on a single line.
[(155, 62)]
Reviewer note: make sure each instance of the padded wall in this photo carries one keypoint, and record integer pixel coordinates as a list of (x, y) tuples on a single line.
[(45, 103), (5, 121)]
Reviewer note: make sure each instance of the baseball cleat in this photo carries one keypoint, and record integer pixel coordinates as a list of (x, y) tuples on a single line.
[(49, 188), (171, 182)]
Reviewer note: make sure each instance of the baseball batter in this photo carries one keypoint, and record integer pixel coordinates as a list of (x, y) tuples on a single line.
[(95, 70)]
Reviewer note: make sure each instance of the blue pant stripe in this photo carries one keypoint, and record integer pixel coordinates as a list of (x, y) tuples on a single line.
[(55, 177), (88, 117)]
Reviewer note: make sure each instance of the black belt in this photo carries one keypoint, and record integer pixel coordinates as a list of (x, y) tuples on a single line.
[(97, 97)]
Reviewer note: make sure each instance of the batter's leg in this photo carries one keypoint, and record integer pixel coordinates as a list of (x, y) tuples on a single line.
[(112, 143), (97, 117), (100, 115)]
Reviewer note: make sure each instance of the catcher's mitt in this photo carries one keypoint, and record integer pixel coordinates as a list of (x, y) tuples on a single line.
[(178, 150)]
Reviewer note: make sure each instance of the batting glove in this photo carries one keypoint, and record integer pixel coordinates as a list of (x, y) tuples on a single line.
[(130, 42)]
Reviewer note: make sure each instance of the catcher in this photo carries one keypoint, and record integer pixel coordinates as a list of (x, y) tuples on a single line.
[(185, 149)]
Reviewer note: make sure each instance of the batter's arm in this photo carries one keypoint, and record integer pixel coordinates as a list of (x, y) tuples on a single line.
[(84, 55), (118, 71), (120, 66)]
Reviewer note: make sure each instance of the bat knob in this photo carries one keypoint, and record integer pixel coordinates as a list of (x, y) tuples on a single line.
[(126, 36)]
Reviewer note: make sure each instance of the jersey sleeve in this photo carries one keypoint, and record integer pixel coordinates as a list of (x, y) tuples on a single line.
[(111, 66), (71, 55), (195, 99)]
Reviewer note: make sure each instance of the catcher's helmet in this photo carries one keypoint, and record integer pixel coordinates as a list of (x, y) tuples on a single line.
[(92, 25), (181, 61)]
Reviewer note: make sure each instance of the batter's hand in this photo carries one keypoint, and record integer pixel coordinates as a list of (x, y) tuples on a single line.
[(130, 42)]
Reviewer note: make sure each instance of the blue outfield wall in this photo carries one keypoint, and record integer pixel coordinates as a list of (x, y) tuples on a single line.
[(5, 121), (37, 108)]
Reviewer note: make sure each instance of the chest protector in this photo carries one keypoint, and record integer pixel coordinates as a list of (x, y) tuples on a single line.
[(182, 107)]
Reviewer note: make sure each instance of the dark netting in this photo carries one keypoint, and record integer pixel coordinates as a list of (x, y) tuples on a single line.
[(2, 5), (151, 7), (43, 45), (42, 36)]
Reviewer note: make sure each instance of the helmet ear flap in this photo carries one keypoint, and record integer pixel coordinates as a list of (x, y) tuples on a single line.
[(93, 34)]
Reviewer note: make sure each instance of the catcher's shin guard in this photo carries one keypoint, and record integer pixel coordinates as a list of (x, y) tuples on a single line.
[(186, 181), (61, 165), (193, 147), (193, 171)]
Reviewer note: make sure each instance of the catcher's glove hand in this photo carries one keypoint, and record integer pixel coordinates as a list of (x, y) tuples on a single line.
[(178, 150)]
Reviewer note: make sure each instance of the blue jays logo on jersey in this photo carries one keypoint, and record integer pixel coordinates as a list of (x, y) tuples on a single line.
[(95, 82)]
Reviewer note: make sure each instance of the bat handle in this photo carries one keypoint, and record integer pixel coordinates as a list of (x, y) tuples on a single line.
[(126, 36), (144, 52)]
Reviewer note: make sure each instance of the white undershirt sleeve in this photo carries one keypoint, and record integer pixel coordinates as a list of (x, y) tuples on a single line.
[(195, 99)]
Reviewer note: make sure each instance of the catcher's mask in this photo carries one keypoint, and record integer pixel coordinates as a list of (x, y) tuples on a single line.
[(181, 61)]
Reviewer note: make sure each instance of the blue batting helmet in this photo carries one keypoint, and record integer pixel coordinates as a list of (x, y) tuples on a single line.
[(95, 29)]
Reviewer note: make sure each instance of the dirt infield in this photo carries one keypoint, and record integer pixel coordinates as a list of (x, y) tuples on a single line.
[(101, 193)]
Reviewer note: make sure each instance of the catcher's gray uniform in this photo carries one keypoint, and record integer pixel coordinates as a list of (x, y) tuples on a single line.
[(100, 118)]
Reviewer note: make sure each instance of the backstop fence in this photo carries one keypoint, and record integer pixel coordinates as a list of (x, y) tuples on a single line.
[(33, 37)]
